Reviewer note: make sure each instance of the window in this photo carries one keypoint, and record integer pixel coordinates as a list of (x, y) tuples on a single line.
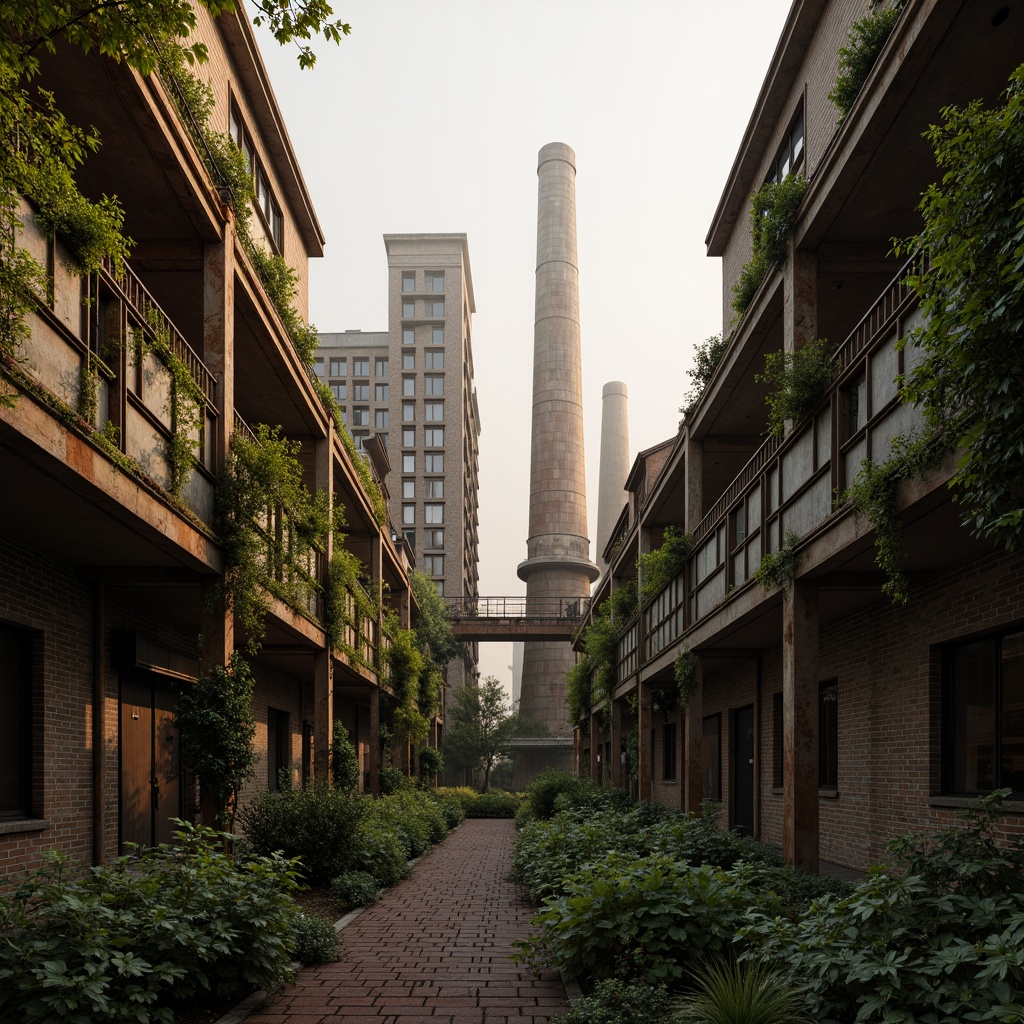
[(433, 514), (439, 584), (739, 523), (436, 334), (360, 391), (777, 741), (434, 463), (828, 734), (433, 565), (265, 203), (408, 386), (380, 392), (409, 282), (433, 411), (791, 154), (360, 416), (339, 367), (408, 437), (410, 538), (408, 462), (318, 366), (408, 411), (433, 359), (15, 723), (433, 437), (668, 759), (360, 437), (711, 757), (380, 368), (408, 335), (433, 488), (408, 309), (433, 384), (380, 419), (408, 515), (983, 715), (433, 539), (408, 360), (340, 392), (856, 406), (435, 307), (434, 280), (408, 489), (360, 367), (279, 749)]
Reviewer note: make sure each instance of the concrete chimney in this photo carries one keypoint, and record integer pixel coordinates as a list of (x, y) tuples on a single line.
[(614, 465)]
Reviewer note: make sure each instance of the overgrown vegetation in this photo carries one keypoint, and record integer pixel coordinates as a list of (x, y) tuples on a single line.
[(797, 382), (779, 569), (970, 381), (867, 39), (706, 357), (772, 209), (659, 567)]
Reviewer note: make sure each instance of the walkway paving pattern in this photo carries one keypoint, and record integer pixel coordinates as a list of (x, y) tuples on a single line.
[(434, 950)]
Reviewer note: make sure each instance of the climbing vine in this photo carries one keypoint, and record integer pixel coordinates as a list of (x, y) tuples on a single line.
[(706, 357), (779, 569)]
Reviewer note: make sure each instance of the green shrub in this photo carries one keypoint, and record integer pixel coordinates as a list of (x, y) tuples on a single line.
[(414, 817), (172, 922), (380, 851), (697, 839), (316, 941), (451, 808), (345, 770), (431, 765), (356, 888), (541, 794), (391, 780), (867, 38), (797, 382), (619, 1002), (749, 993), (316, 824), (495, 803)]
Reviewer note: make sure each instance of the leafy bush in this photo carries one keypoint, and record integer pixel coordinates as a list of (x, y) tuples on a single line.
[(542, 792), (414, 817), (344, 760), (431, 765), (118, 944), (867, 38), (380, 851), (706, 357), (659, 567), (495, 803), (797, 382), (451, 807), (318, 825), (391, 780), (316, 941), (356, 888), (619, 1002)]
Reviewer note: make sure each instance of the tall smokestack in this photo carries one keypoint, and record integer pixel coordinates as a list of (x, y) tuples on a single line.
[(558, 550), (614, 465)]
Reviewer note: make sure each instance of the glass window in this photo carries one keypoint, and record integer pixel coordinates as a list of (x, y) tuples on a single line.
[(409, 282), (360, 416), (408, 489), (828, 734), (440, 587), (433, 565), (408, 360), (434, 463), (739, 523), (668, 757), (435, 307), (408, 386), (433, 384), (408, 462), (408, 309), (856, 406), (360, 437), (433, 514), (433, 437), (15, 723), (279, 747), (983, 715), (433, 359), (380, 419), (339, 366), (408, 411), (433, 539), (433, 488), (380, 368), (408, 437), (433, 410), (340, 392), (437, 335), (380, 393), (711, 758), (408, 515), (790, 156), (360, 367), (360, 391), (408, 335), (318, 366), (435, 281)]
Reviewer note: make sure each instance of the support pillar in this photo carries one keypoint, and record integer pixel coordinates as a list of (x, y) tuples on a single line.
[(373, 747), (99, 724), (644, 719), (323, 660), (693, 785), (800, 298), (617, 774), (800, 725)]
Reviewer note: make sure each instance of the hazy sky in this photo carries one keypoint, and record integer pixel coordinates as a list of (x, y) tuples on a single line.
[(429, 117)]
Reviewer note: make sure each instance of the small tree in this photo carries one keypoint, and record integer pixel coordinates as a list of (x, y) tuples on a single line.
[(480, 725), (217, 728), (344, 760)]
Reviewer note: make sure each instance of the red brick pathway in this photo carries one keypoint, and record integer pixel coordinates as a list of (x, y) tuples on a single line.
[(434, 950)]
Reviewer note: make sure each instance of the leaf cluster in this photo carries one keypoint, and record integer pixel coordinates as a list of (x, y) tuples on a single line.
[(970, 381), (659, 567), (345, 771), (706, 357), (866, 40), (778, 570), (797, 382), (480, 723)]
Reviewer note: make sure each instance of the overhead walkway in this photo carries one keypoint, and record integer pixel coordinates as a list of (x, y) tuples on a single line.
[(483, 619)]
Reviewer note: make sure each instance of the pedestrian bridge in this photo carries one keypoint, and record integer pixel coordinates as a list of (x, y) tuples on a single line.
[(481, 619)]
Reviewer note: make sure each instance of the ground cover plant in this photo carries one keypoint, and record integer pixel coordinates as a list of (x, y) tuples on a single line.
[(495, 803)]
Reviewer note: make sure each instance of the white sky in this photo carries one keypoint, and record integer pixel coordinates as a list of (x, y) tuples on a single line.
[(429, 117)]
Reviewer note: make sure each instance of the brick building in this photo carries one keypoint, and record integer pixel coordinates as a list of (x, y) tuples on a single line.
[(825, 718), (111, 568)]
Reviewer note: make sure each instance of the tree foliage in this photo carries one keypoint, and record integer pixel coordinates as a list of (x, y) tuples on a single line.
[(479, 726), (970, 381), (433, 628)]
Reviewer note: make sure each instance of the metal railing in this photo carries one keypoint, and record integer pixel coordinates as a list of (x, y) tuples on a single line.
[(534, 609)]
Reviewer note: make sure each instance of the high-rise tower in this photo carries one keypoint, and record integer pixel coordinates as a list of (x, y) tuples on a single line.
[(558, 561)]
